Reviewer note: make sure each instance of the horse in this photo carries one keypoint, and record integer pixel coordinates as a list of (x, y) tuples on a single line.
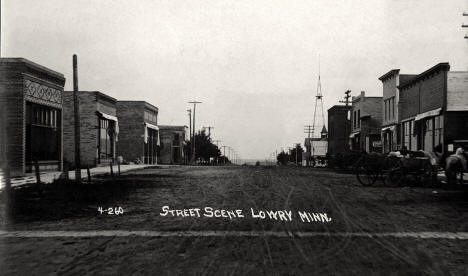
[(455, 164)]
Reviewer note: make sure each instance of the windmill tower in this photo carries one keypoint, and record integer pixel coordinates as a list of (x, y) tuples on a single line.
[(316, 124)]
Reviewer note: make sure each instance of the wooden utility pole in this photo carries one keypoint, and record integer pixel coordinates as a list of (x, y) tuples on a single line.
[(0, 28), (76, 107), (190, 129), (231, 153), (465, 25), (297, 146), (193, 143), (216, 141), (224, 154), (309, 130), (347, 97)]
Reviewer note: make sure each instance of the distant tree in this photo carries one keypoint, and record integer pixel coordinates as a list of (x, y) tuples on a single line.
[(282, 158), (204, 148), (292, 154)]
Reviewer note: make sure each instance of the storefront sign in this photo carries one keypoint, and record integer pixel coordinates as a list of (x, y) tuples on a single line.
[(377, 144)]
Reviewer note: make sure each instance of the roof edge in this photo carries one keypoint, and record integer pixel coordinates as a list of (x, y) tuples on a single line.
[(440, 66), (33, 65), (389, 74)]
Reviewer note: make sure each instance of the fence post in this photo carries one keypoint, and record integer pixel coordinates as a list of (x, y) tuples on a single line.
[(66, 170), (89, 173), (7, 194), (38, 173), (111, 170)]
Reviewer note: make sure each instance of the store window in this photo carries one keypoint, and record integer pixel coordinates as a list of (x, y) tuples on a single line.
[(359, 118), (407, 134), (416, 130), (385, 110), (428, 134), (410, 139), (354, 119), (106, 138), (42, 133), (438, 130)]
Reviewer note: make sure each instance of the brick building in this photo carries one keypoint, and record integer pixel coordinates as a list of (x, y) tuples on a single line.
[(366, 121), (339, 129), (31, 105), (172, 143), (99, 128), (138, 131), (390, 133), (434, 109)]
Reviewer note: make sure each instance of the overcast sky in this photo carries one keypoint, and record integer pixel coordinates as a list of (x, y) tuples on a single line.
[(253, 64)]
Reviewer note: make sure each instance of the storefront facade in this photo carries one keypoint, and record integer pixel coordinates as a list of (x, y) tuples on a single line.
[(31, 103), (390, 133), (366, 122), (139, 133), (339, 129), (172, 144), (434, 110), (99, 128)]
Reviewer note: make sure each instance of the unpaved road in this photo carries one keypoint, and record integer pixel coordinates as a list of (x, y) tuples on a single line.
[(376, 230)]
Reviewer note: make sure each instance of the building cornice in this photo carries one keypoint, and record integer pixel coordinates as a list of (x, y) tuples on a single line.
[(444, 66)]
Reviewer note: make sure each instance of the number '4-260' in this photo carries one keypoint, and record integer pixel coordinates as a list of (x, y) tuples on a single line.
[(111, 210)]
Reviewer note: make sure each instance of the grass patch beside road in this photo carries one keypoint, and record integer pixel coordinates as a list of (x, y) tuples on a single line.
[(62, 199)]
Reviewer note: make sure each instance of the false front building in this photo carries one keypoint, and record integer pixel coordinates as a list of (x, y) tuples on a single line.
[(138, 131), (339, 128), (31, 114), (391, 117), (434, 110), (99, 128), (366, 118), (172, 144)]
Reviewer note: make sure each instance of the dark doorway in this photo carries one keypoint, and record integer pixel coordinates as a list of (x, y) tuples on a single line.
[(43, 128)]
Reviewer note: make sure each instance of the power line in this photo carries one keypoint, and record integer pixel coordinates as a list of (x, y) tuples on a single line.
[(308, 129), (190, 125), (465, 25)]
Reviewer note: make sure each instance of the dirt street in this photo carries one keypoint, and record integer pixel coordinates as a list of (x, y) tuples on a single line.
[(245, 220)]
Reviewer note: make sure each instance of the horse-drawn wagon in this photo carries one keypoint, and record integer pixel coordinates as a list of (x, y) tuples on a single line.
[(397, 169)]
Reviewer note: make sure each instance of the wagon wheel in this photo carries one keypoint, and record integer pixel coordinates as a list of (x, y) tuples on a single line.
[(428, 175), (387, 165), (395, 175), (364, 174)]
